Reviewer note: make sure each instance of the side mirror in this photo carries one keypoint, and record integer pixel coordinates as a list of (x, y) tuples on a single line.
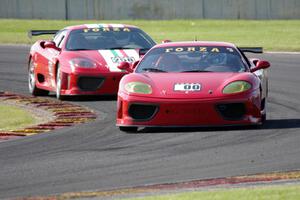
[(125, 66), (134, 64), (261, 64), (166, 41), (254, 60), (142, 52), (51, 44)]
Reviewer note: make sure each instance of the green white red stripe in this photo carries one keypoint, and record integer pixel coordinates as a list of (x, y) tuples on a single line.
[(104, 25), (115, 56)]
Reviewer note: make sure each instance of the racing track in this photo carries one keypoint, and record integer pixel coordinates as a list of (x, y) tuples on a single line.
[(98, 156)]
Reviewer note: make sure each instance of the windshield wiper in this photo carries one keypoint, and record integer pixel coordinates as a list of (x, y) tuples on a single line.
[(197, 71), (79, 49), (120, 48), (153, 70)]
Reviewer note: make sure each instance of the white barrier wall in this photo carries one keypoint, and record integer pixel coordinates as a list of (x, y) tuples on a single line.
[(150, 9)]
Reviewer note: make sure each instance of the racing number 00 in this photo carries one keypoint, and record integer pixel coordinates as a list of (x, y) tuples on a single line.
[(187, 87), (191, 87)]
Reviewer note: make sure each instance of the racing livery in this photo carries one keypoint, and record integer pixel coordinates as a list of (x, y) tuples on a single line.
[(83, 59), (193, 84)]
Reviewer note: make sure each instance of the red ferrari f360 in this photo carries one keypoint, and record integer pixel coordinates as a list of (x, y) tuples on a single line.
[(83, 59), (193, 84)]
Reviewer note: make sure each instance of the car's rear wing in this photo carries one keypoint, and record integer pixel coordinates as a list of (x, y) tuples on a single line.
[(41, 32), (251, 49)]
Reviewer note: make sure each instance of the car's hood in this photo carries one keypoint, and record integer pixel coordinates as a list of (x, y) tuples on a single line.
[(189, 85), (107, 59)]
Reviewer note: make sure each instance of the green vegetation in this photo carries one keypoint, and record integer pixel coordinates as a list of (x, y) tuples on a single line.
[(12, 118), (291, 192), (273, 35)]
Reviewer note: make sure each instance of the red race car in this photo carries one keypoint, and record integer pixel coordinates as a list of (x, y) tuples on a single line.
[(83, 59), (193, 84)]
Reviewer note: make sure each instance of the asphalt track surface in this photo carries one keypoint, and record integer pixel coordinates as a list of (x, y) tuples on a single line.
[(97, 156)]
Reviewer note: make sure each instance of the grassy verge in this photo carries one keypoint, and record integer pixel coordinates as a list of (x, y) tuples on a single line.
[(291, 192), (273, 35), (12, 118)]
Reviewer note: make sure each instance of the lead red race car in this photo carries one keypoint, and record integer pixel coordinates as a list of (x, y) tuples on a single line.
[(83, 59), (193, 84)]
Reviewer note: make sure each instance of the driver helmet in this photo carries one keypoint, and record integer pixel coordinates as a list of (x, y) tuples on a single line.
[(122, 38), (217, 59), (168, 62)]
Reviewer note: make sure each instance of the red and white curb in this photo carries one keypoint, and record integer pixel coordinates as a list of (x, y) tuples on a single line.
[(266, 178), (65, 114)]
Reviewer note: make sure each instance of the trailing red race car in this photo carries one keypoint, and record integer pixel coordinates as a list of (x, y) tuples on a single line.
[(193, 84), (83, 59)]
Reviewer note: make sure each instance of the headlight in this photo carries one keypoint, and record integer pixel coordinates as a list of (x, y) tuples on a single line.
[(82, 62), (236, 86), (138, 87)]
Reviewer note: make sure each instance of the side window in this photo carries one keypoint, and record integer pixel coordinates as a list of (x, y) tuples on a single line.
[(61, 41), (245, 59), (59, 37)]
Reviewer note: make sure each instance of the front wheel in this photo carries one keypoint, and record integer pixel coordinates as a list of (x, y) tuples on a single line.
[(128, 129), (263, 111), (32, 82)]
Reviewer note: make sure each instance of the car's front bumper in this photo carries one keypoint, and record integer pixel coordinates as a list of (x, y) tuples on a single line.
[(90, 83), (141, 111)]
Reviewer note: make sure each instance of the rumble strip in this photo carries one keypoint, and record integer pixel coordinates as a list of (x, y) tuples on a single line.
[(169, 188), (64, 114)]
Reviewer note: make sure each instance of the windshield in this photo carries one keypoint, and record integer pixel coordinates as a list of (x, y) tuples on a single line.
[(192, 59), (108, 38)]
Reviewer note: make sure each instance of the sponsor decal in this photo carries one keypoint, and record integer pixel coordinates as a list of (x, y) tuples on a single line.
[(114, 57), (199, 49), (106, 28)]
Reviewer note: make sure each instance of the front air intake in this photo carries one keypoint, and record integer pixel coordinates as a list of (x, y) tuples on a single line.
[(89, 83), (142, 112), (232, 111)]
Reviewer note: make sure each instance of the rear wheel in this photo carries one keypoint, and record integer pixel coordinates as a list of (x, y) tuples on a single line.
[(32, 82), (128, 129), (58, 84), (263, 118)]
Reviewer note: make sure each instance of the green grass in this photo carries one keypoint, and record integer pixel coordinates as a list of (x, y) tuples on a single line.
[(273, 35), (12, 118), (291, 192)]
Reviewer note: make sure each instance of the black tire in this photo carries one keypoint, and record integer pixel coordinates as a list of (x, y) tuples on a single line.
[(264, 115), (128, 129), (32, 82), (263, 118), (58, 85)]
